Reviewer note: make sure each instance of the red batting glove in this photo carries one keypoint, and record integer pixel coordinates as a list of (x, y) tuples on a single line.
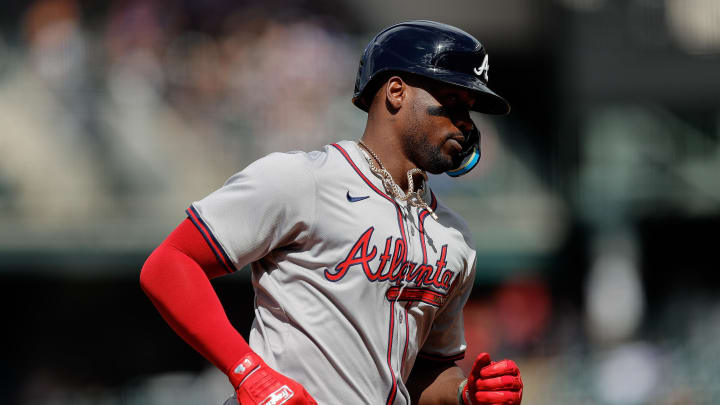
[(257, 384), (493, 382)]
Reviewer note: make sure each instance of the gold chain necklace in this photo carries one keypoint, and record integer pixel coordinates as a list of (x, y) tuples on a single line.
[(413, 197)]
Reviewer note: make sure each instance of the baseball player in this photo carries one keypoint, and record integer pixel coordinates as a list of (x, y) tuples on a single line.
[(360, 273)]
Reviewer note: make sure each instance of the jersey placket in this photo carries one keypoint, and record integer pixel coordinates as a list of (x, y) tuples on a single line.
[(416, 245), (410, 213), (397, 349)]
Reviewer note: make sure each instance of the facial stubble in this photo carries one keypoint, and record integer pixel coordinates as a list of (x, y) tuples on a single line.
[(426, 155)]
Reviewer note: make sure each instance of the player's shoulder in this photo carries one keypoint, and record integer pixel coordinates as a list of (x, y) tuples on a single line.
[(450, 219), (281, 165), (342, 152), (327, 159), (293, 169), (284, 161), (297, 159)]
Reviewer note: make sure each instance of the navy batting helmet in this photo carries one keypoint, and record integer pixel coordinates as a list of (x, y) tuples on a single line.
[(430, 49), (437, 51)]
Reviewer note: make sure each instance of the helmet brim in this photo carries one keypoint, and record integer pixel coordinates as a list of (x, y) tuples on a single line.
[(487, 101)]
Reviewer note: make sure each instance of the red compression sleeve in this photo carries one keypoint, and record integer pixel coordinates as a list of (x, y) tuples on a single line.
[(176, 278)]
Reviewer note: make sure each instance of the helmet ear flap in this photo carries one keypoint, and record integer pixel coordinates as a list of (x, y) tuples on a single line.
[(471, 154)]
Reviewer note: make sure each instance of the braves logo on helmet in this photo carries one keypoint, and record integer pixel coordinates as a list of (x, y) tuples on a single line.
[(483, 69)]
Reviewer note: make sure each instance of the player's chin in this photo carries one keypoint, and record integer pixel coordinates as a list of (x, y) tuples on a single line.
[(443, 163)]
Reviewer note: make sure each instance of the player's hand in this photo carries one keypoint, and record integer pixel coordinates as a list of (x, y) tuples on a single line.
[(493, 382), (257, 384)]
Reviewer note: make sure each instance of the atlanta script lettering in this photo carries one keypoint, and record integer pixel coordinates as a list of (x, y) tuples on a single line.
[(393, 265)]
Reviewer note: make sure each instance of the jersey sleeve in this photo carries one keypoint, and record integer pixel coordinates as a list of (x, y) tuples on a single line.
[(446, 341), (269, 204)]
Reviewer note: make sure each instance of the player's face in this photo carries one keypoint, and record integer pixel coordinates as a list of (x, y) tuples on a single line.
[(438, 124)]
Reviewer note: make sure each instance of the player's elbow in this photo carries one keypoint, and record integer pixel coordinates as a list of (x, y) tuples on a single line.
[(152, 270)]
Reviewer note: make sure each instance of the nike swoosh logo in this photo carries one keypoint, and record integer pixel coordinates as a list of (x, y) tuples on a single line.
[(355, 199)]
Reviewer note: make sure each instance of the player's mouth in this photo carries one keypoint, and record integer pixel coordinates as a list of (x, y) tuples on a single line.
[(456, 141)]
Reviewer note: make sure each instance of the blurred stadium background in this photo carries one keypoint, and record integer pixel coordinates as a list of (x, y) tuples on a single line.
[(596, 207)]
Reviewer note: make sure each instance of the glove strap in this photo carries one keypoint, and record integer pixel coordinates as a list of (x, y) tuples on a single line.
[(247, 365), (461, 392)]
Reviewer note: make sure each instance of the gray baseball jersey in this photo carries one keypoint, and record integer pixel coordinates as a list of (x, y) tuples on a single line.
[(350, 284)]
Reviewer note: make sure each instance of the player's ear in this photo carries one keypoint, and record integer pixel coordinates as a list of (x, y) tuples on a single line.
[(395, 93)]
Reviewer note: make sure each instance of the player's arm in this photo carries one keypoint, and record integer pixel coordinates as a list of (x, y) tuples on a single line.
[(443, 383), (434, 382), (176, 278)]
